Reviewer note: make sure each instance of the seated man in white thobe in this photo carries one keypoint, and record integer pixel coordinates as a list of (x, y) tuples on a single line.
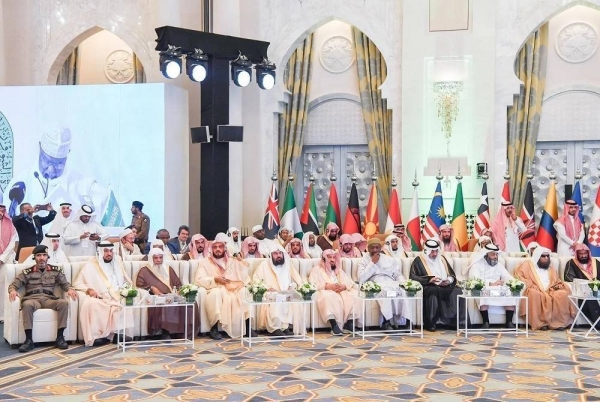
[(392, 247), (384, 270), (225, 279), (126, 246), (198, 248), (250, 248), (56, 255), (265, 246), (279, 276), (101, 309), (234, 246), (8, 238), (335, 292), (295, 249), (485, 266), (84, 233), (309, 243)]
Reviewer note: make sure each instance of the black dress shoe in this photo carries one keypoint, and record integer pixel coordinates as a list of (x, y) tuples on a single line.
[(431, 328), (277, 332), (27, 346), (485, 325), (214, 333), (61, 343), (101, 342), (509, 325), (287, 332), (335, 330)]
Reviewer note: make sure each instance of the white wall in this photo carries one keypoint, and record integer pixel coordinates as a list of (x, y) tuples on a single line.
[(2, 54), (92, 57)]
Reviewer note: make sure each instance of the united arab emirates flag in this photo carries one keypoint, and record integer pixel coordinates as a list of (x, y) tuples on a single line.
[(308, 219)]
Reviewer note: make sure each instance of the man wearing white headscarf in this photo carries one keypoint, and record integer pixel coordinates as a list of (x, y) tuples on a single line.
[(531, 247), (284, 236), (359, 242), (224, 279), (199, 248), (309, 243), (159, 244), (159, 278), (8, 238), (481, 243), (295, 249), (265, 246), (279, 276), (59, 224), (100, 310), (485, 266), (507, 227), (250, 248), (234, 246), (392, 247), (329, 240), (126, 245), (55, 253), (435, 274), (84, 233), (548, 296), (448, 241), (385, 271), (400, 232)]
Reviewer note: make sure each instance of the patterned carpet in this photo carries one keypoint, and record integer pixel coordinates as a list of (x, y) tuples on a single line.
[(440, 367)]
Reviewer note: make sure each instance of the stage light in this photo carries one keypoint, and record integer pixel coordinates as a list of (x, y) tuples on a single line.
[(196, 65), (170, 62), (265, 74), (241, 71)]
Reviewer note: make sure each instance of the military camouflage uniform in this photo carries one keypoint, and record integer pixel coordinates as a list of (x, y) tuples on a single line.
[(39, 293)]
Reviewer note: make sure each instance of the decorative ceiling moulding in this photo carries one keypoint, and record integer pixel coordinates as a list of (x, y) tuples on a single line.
[(118, 67), (576, 42), (337, 54)]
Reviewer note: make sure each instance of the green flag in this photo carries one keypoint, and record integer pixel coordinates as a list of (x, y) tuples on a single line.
[(289, 218)]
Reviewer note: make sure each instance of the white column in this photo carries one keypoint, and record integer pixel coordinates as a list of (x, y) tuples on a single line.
[(2, 53)]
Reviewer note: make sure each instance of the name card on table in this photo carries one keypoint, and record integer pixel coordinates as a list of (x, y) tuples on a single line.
[(279, 298), (391, 293)]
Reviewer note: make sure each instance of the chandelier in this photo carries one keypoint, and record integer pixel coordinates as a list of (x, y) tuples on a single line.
[(447, 100)]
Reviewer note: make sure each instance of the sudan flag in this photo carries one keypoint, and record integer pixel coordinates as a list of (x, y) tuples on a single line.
[(546, 234), (333, 208), (308, 220), (459, 220), (352, 219)]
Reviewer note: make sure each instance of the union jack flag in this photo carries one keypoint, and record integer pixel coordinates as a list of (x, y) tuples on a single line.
[(271, 220)]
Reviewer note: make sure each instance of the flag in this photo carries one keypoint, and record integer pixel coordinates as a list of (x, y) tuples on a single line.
[(413, 229), (576, 196), (483, 213), (352, 218), (436, 216), (271, 220), (528, 218), (372, 215), (393, 217), (112, 214), (459, 220), (333, 208), (308, 220), (546, 234), (594, 232), (505, 196), (289, 217)]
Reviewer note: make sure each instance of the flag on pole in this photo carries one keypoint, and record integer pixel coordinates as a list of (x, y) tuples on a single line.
[(332, 214), (546, 234), (483, 213), (436, 216), (289, 217), (413, 229), (594, 232), (459, 220), (308, 219), (528, 218), (394, 216), (372, 215), (352, 218), (505, 196), (578, 199), (271, 220)]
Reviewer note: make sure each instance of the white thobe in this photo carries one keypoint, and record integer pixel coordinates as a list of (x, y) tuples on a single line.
[(78, 246), (267, 246), (234, 247), (314, 252), (6, 257), (56, 257), (484, 271), (513, 245), (544, 276), (563, 248), (387, 274)]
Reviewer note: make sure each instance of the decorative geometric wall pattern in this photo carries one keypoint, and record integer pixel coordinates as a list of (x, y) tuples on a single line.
[(571, 115), (335, 121)]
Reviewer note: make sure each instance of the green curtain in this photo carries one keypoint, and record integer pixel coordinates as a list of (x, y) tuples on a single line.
[(139, 75), (526, 112), (293, 120), (67, 75), (372, 72)]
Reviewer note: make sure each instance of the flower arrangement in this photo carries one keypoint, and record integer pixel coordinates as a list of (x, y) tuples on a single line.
[(473, 284), (370, 287), (515, 285), (307, 288), (128, 291), (411, 286), (189, 288), (594, 284), (257, 289)]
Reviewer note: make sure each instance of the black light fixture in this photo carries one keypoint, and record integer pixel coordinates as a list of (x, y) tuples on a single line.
[(241, 71), (265, 74), (196, 65), (170, 62)]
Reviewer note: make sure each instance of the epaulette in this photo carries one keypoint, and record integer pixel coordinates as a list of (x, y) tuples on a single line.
[(27, 271), (55, 268)]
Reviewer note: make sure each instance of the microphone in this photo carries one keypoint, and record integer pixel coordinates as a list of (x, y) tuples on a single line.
[(44, 189), (16, 196)]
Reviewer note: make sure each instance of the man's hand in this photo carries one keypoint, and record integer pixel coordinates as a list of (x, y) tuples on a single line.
[(12, 296), (342, 287), (49, 207), (499, 282), (85, 235), (444, 283), (239, 257), (92, 293), (72, 294), (154, 290), (435, 280), (94, 237), (221, 280), (375, 258), (128, 246), (513, 216)]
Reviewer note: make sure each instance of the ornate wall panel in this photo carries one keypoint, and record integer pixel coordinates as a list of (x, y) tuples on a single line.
[(571, 115), (335, 120), (549, 159)]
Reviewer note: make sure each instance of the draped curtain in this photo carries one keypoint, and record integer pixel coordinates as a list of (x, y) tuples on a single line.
[(525, 114), (293, 120), (372, 71), (139, 76), (67, 75)]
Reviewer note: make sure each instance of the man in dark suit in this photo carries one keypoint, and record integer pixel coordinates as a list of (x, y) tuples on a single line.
[(163, 235), (179, 243), (29, 226)]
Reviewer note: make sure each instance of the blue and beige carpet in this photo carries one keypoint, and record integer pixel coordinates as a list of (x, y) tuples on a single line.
[(440, 367)]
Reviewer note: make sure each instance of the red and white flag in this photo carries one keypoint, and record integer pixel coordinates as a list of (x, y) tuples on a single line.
[(483, 213), (394, 216)]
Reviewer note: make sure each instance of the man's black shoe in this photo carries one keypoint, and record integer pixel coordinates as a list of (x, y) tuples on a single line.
[(287, 332), (277, 332), (214, 333), (27, 346), (485, 325), (101, 342), (61, 343), (509, 325), (432, 328)]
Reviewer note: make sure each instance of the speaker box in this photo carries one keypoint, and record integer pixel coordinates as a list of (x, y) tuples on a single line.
[(230, 133), (200, 135)]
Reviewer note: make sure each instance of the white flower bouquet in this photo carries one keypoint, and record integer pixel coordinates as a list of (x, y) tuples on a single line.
[(370, 287), (473, 284), (189, 288), (128, 291), (257, 287), (594, 284), (515, 285), (411, 286), (307, 288)]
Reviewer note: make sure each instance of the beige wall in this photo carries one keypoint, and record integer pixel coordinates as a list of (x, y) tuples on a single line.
[(92, 57)]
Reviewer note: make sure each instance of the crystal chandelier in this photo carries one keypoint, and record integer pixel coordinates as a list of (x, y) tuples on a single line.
[(447, 99)]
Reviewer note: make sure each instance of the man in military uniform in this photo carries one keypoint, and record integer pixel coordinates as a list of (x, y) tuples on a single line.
[(39, 282), (141, 222)]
